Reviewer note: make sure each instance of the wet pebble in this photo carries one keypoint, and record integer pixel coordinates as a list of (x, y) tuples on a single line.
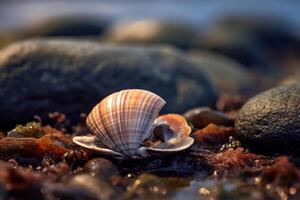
[(201, 117), (102, 189), (101, 168), (212, 137), (61, 191)]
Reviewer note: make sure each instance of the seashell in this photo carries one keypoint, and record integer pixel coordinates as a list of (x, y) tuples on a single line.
[(173, 131), (122, 121)]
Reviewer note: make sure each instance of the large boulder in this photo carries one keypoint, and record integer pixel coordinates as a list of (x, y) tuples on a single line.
[(42, 76), (270, 121)]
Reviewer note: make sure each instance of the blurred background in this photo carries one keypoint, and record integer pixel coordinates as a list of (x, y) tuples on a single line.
[(243, 47)]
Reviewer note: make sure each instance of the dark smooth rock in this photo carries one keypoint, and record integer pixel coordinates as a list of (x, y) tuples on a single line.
[(73, 26), (153, 32), (228, 76), (61, 191), (201, 117), (42, 76), (270, 121), (93, 185)]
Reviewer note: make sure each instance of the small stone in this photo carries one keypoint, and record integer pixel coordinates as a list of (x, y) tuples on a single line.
[(270, 121), (100, 188), (62, 191), (212, 137), (101, 168), (19, 183), (203, 116)]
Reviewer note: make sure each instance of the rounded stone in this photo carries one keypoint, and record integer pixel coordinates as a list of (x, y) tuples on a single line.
[(228, 76), (66, 26), (199, 118), (270, 121), (93, 185), (101, 168), (178, 34), (42, 76)]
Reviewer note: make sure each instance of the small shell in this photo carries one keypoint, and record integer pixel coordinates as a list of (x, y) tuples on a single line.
[(173, 132), (123, 120)]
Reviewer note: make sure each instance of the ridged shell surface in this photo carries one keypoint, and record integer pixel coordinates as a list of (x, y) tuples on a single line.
[(123, 120)]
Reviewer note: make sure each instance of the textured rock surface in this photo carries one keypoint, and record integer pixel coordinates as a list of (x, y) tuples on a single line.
[(270, 121), (42, 76)]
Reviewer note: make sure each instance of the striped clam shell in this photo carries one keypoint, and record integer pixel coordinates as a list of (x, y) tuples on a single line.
[(123, 120)]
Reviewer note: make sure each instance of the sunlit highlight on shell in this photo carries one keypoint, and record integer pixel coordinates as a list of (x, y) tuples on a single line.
[(177, 124)]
